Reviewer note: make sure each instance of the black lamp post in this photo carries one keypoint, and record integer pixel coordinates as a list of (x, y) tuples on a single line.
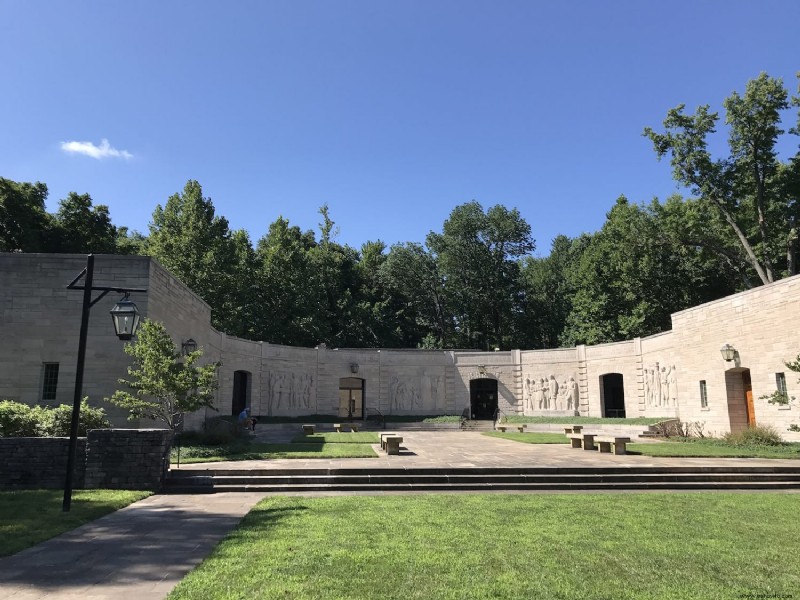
[(126, 319)]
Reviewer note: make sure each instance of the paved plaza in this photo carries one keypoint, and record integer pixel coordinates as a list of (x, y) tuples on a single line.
[(142, 551)]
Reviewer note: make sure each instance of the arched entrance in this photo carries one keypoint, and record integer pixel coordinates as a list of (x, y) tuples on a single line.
[(483, 398), (241, 391), (739, 390), (351, 398), (612, 396)]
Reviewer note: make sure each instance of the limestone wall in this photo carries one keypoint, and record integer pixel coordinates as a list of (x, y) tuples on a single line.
[(763, 325), (40, 323), (40, 319)]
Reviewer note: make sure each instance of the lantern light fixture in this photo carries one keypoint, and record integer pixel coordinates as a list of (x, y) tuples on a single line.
[(728, 352), (125, 316), (189, 346)]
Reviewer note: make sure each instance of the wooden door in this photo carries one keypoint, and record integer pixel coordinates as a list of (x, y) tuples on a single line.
[(751, 411)]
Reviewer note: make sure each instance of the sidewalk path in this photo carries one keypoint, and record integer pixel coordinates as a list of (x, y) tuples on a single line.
[(138, 553)]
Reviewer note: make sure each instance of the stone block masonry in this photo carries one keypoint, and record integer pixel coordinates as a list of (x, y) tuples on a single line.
[(125, 459), (30, 463)]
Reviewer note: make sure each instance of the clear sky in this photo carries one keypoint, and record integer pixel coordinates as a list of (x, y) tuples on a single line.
[(391, 112)]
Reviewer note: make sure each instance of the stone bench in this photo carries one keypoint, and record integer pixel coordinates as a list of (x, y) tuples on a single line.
[(383, 439), (582, 440), (573, 429), (604, 444), (351, 426), (393, 444), (503, 428), (308, 430)]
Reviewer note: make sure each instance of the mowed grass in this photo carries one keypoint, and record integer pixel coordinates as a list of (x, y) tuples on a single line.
[(28, 517), (266, 451), (532, 437), (510, 546), (513, 419), (714, 448)]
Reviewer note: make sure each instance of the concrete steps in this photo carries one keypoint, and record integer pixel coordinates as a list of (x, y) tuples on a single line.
[(478, 425), (187, 480)]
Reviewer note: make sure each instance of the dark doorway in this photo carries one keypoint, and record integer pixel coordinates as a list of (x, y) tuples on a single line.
[(351, 398), (483, 398), (241, 391), (613, 400)]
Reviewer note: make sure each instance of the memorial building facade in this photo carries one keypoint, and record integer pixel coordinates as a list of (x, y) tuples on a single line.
[(680, 373)]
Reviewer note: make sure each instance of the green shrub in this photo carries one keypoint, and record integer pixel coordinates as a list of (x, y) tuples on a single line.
[(20, 420), (91, 418), (757, 435)]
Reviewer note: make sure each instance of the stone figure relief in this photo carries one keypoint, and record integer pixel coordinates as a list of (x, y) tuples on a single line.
[(660, 386), (551, 393), (288, 390), (403, 396), (432, 392)]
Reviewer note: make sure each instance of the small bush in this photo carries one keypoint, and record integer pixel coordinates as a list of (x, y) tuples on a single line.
[(757, 435), (20, 420), (91, 418)]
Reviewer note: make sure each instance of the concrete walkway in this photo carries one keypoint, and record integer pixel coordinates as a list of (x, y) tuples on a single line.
[(138, 553), (141, 552)]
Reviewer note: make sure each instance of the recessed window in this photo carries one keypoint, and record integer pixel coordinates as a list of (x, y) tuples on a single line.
[(703, 394), (780, 382), (49, 381)]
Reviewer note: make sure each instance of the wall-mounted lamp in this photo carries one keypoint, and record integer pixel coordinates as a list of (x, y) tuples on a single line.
[(482, 369), (728, 352), (188, 346), (354, 368)]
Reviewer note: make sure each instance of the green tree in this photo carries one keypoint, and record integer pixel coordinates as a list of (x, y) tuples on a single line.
[(548, 293), (478, 256), (25, 225), (283, 273), (748, 187), (196, 246), (84, 228), (411, 279), (164, 384), (634, 273)]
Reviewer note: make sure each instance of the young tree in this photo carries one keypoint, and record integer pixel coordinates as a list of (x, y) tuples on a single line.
[(165, 384)]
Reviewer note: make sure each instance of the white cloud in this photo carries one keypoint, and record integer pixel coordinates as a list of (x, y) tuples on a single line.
[(104, 150)]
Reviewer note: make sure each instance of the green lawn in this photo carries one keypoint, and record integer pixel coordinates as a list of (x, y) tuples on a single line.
[(533, 437), (585, 420), (714, 448), (344, 437), (264, 451), (28, 517), (510, 546)]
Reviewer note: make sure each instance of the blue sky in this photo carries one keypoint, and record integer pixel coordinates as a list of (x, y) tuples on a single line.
[(392, 113)]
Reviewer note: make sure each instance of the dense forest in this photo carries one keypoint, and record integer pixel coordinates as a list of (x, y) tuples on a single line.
[(475, 283)]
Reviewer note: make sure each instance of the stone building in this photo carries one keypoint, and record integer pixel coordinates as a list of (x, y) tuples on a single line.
[(680, 373)]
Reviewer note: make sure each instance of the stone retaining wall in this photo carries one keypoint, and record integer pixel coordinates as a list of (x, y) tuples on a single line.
[(28, 463), (128, 459)]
